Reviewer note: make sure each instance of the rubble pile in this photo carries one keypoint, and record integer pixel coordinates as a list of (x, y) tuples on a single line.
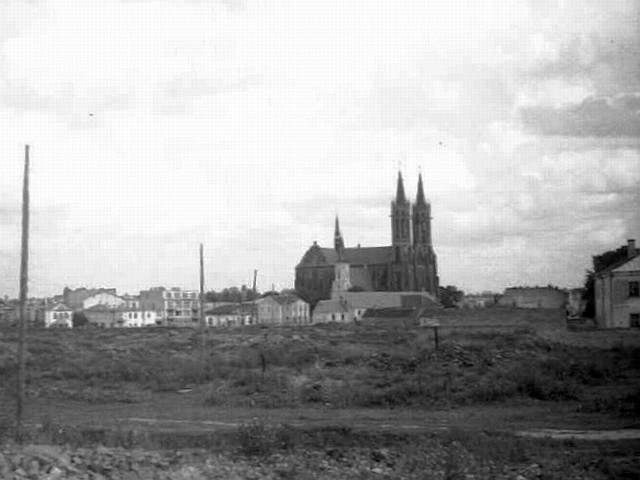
[(434, 460)]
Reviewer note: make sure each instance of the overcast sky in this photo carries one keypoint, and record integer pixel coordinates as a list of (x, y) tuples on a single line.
[(247, 125)]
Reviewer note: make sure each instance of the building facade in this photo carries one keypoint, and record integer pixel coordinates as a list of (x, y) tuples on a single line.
[(408, 264), (58, 315), (534, 297), (175, 307), (282, 310), (617, 292)]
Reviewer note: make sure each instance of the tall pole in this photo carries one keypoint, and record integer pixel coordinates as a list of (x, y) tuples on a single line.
[(24, 262), (202, 324)]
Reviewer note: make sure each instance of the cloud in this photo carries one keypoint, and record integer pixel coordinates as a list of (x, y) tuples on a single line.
[(594, 117)]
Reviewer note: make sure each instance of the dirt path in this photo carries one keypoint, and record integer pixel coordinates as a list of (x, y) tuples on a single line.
[(620, 434)]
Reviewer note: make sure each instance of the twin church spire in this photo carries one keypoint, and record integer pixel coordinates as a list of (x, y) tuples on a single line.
[(403, 217), (410, 224)]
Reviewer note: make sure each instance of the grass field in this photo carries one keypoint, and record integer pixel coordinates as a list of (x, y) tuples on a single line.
[(495, 370)]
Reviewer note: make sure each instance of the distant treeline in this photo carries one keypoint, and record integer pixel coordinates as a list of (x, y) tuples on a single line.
[(232, 294)]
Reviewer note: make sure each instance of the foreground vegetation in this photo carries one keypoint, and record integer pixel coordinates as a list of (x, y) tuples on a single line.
[(496, 356), (493, 359)]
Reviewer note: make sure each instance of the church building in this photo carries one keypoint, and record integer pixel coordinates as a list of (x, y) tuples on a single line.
[(408, 264)]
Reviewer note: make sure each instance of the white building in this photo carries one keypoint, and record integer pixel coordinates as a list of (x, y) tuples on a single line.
[(617, 292), (135, 317), (58, 315), (103, 298)]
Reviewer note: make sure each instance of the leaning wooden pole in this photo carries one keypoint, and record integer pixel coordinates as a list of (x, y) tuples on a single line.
[(24, 263)]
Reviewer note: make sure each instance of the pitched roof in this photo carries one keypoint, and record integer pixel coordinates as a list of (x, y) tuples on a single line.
[(360, 256), (231, 309), (99, 308), (286, 299), (625, 265), (59, 307)]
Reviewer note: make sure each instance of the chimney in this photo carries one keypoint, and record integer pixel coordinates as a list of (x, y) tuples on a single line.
[(631, 248)]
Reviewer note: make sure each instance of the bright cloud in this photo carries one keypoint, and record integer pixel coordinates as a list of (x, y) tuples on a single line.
[(248, 125)]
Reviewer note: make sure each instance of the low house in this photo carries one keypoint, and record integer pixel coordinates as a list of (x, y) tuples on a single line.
[(343, 307), (478, 301), (534, 297), (617, 292), (101, 316), (58, 315), (285, 309), (331, 311), (224, 316)]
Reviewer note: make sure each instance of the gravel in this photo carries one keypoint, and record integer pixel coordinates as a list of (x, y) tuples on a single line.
[(432, 461)]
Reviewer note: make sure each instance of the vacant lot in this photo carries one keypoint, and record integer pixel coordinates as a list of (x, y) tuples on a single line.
[(381, 384)]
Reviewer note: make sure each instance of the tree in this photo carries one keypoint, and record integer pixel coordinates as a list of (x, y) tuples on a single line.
[(450, 296), (599, 262), (79, 320)]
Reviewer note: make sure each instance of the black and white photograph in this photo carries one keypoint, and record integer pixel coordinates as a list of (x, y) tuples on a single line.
[(319, 239)]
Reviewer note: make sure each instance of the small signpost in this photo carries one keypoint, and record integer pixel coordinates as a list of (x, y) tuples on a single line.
[(431, 323)]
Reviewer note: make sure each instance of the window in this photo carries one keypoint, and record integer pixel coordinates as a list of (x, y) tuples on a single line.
[(634, 320), (634, 289)]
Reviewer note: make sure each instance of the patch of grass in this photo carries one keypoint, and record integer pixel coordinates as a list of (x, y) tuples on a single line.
[(257, 438)]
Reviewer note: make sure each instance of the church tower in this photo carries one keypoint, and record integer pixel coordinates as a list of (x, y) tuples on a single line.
[(425, 263), (401, 240), (338, 242), (421, 220)]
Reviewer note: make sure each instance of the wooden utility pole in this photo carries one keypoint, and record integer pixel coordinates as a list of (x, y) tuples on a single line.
[(202, 324), (24, 263)]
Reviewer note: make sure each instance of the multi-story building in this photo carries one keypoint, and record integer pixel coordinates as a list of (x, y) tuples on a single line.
[(617, 292), (175, 307)]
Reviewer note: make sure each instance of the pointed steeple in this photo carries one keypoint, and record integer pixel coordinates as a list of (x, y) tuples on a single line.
[(420, 200), (400, 196), (338, 242)]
